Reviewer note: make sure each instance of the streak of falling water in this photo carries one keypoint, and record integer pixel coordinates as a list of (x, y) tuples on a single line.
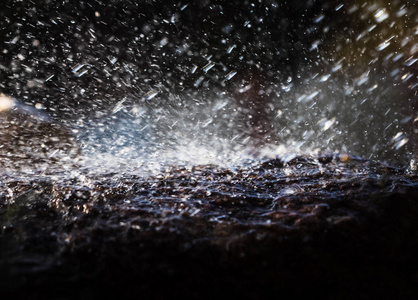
[(177, 84)]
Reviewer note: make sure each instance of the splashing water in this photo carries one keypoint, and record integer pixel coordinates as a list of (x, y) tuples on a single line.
[(229, 143), (188, 84)]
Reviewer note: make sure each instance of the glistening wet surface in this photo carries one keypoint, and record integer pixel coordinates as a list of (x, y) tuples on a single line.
[(245, 230)]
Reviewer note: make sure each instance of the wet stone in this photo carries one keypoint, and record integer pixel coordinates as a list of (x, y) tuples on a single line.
[(269, 226)]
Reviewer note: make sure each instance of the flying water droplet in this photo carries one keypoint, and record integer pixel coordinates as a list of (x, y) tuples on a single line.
[(49, 77), (326, 124), (220, 105), (325, 78), (80, 70), (208, 66), (308, 98), (230, 75), (151, 94), (231, 48), (319, 18), (198, 81), (380, 15), (383, 45), (410, 61), (339, 7), (400, 140), (118, 106)]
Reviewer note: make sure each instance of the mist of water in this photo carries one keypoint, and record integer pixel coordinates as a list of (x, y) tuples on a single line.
[(142, 86)]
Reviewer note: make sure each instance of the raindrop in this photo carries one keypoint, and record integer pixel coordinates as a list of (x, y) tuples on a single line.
[(371, 28), (308, 98), (353, 9), (151, 94), (381, 15), (406, 77), (410, 61), (208, 66), (231, 48), (207, 122), (220, 105), (49, 77), (339, 7), (401, 12), (319, 18), (79, 70), (400, 140), (325, 78), (363, 78), (15, 40), (383, 45), (326, 124), (397, 57), (199, 81), (230, 75), (118, 106), (112, 59)]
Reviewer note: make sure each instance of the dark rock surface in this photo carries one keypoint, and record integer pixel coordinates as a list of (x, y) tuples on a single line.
[(337, 227)]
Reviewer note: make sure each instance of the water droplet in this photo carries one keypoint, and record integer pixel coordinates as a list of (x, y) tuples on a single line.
[(371, 28), (380, 15), (15, 40), (220, 105), (151, 94), (230, 75), (400, 140), (49, 77), (80, 70), (326, 124), (319, 18), (118, 106), (207, 122), (112, 59), (339, 7), (208, 66), (325, 78), (231, 48), (352, 9), (406, 76), (199, 81), (383, 45), (410, 61), (401, 143), (308, 98)]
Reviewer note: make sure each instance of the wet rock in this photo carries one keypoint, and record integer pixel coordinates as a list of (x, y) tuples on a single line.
[(341, 229), (29, 137)]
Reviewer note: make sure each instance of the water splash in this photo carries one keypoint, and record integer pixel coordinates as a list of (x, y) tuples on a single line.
[(173, 79)]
